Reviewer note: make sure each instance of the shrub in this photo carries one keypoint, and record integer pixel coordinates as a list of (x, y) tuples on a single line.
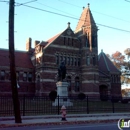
[(53, 95), (124, 101), (81, 96), (104, 97)]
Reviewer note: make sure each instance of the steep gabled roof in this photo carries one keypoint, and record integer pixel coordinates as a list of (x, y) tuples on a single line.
[(22, 59), (105, 64), (86, 19), (51, 40)]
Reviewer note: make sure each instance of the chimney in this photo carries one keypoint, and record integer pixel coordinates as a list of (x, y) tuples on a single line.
[(28, 44), (36, 42)]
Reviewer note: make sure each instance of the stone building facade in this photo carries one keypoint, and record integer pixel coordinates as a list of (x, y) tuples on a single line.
[(87, 71)]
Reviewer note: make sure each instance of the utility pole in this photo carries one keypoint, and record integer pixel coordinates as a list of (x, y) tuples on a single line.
[(16, 103)]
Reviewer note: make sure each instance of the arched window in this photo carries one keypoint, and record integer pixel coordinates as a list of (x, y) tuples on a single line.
[(112, 78), (25, 76), (68, 41), (64, 40), (2, 75), (78, 61), (64, 59), (76, 84), (30, 77), (93, 41), (75, 61), (94, 61), (69, 83), (38, 78), (72, 41), (88, 60), (68, 60), (87, 41), (61, 58), (71, 60)]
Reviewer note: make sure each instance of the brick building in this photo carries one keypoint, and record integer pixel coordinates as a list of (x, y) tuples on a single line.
[(87, 71)]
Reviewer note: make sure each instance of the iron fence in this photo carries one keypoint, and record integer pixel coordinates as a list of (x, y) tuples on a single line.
[(30, 105)]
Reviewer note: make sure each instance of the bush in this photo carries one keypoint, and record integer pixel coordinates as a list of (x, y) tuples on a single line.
[(53, 95), (81, 96), (103, 98), (124, 101), (116, 99)]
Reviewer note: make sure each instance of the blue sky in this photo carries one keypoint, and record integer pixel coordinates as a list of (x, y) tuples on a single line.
[(40, 25)]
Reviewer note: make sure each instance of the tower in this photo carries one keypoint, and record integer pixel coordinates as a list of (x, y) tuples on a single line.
[(86, 31)]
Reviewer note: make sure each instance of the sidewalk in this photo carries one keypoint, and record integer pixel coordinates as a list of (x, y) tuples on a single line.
[(56, 119)]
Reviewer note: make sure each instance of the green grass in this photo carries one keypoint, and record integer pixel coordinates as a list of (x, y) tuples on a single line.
[(44, 107)]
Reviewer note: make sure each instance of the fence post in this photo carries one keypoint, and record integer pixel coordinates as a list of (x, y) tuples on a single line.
[(87, 106), (58, 106), (113, 107), (24, 105)]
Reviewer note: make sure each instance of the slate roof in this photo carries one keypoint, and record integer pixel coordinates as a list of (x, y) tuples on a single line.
[(22, 59), (105, 64), (86, 19), (52, 39)]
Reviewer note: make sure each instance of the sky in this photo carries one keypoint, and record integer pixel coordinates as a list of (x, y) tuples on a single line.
[(41, 25)]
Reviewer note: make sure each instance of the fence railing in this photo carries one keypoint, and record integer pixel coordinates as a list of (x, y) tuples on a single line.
[(30, 105)]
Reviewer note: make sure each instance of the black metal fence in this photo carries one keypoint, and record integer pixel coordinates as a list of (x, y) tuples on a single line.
[(30, 105)]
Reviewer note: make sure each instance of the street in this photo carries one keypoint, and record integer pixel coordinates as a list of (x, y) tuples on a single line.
[(106, 126)]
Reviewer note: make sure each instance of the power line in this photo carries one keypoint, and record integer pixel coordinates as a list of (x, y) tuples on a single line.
[(111, 16), (55, 8), (127, 0), (70, 4), (25, 3), (96, 11), (75, 18), (72, 17)]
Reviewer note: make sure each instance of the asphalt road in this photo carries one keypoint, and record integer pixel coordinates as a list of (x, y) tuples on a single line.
[(106, 126)]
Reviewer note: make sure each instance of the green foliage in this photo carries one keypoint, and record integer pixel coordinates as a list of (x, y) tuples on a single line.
[(81, 96), (122, 62), (53, 95)]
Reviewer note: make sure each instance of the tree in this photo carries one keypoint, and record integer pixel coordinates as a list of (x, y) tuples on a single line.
[(118, 59), (126, 73), (127, 52), (124, 93)]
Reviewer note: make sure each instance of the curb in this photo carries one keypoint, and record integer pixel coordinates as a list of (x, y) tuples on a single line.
[(59, 116), (58, 123)]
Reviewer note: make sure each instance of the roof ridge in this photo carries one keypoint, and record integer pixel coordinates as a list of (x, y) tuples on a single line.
[(105, 61)]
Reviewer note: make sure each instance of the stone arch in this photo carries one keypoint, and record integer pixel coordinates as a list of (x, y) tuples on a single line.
[(103, 90)]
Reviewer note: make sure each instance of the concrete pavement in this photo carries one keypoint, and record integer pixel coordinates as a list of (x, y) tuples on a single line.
[(56, 119)]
